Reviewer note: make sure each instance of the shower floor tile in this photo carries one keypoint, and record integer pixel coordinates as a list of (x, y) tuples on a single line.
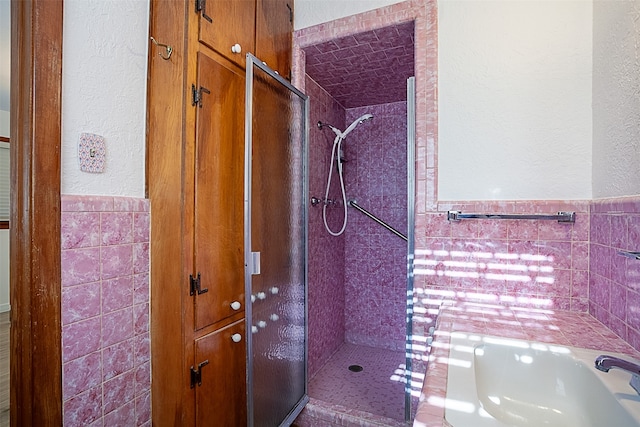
[(377, 389)]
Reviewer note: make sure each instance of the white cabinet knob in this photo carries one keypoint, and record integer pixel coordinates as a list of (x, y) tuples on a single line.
[(236, 48), (236, 305), (236, 337)]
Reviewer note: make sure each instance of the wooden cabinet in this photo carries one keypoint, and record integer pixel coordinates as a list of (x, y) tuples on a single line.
[(221, 397), (219, 192), (228, 27), (274, 29), (195, 181)]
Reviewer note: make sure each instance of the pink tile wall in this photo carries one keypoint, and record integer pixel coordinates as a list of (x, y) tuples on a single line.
[(105, 311), (515, 263), (614, 285), (375, 259), (326, 252)]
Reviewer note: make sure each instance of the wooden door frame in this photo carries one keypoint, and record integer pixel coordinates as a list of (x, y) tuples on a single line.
[(35, 270)]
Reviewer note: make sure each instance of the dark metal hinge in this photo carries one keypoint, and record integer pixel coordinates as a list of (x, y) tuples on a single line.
[(197, 95), (290, 13), (196, 374), (195, 285), (201, 6)]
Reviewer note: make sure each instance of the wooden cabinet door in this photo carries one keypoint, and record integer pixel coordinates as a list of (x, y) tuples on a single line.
[(219, 190), (274, 29), (221, 396), (227, 23)]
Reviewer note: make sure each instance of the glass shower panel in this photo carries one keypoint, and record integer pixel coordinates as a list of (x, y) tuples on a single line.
[(275, 247)]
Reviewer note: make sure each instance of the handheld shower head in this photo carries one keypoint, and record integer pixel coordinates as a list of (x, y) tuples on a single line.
[(356, 122), (365, 117)]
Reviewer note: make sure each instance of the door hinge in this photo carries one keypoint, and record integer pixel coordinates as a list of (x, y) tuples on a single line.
[(197, 95), (195, 285), (290, 13), (201, 6), (196, 374)]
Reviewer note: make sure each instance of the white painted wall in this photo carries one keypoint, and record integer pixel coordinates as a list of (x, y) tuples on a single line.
[(616, 98), (313, 12), (104, 92), (514, 96)]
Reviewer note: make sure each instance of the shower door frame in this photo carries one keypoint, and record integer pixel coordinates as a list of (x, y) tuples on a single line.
[(411, 222), (250, 260)]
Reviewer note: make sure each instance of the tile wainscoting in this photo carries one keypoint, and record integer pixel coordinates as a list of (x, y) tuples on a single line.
[(105, 311)]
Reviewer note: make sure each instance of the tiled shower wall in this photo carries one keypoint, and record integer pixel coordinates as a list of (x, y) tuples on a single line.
[(105, 311), (326, 252), (614, 286), (375, 259)]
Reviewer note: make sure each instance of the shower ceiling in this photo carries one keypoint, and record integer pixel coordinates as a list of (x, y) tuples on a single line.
[(367, 68)]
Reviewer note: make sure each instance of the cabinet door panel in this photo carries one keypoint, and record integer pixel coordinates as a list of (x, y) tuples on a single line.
[(221, 399), (219, 174), (232, 22), (274, 28)]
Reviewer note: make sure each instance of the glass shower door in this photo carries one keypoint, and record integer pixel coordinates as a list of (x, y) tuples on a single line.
[(275, 246)]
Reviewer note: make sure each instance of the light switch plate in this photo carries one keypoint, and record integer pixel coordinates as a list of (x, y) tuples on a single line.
[(92, 153)]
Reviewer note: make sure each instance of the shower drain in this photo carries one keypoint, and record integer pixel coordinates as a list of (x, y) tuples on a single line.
[(356, 368)]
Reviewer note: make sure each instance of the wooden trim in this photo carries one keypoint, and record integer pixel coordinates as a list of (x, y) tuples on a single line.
[(4, 225), (172, 400), (35, 285)]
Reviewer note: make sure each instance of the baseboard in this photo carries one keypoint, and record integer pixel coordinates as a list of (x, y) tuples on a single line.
[(5, 307)]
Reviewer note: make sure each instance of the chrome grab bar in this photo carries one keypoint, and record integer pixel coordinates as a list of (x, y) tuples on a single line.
[(359, 208), (560, 216), (630, 254)]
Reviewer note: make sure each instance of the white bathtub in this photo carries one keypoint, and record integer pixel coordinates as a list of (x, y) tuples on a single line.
[(503, 382)]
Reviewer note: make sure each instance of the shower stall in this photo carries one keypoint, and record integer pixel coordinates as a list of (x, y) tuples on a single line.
[(359, 288)]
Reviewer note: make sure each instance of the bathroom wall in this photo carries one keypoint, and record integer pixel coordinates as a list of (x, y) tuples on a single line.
[(313, 12), (326, 253), (375, 259), (514, 100), (518, 263), (105, 218), (105, 311), (616, 105), (614, 285), (104, 79)]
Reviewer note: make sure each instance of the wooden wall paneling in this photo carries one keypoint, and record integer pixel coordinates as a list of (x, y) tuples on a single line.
[(35, 285)]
